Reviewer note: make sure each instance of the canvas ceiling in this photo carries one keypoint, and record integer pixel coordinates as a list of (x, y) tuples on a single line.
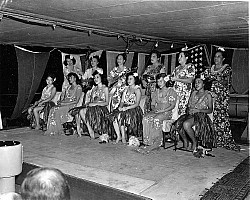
[(109, 24)]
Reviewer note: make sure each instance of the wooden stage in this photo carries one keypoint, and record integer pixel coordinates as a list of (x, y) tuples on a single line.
[(102, 170)]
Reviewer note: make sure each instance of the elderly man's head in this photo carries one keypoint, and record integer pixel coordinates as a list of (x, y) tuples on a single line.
[(45, 184)]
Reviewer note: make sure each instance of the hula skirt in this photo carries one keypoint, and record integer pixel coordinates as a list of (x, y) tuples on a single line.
[(97, 118), (132, 119), (204, 130)]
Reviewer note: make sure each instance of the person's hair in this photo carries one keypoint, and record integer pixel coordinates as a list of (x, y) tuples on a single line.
[(45, 184), (159, 76), (206, 82), (163, 75), (224, 55), (158, 54), (98, 60), (124, 57), (187, 54), (103, 78), (51, 75), (75, 75), (68, 57), (137, 80)]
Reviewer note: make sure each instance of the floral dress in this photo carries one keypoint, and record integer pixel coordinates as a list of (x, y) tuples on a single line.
[(59, 114), (150, 76), (220, 93), (132, 118), (96, 116), (183, 89), (117, 82), (152, 122), (204, 131)]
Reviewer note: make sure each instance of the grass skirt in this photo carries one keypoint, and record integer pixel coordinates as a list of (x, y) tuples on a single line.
[(132, 119), (98, 120), (204, 131)]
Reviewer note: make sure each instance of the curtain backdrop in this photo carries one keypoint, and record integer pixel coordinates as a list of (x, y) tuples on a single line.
[(240, 66), (31, 67)]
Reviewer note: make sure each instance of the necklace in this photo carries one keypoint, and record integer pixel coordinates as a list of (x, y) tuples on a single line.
[(219, 70)]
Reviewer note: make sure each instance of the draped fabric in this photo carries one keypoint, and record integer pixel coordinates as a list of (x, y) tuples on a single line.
[(198, 57), (111, 60), (31, 67), (240, 76)]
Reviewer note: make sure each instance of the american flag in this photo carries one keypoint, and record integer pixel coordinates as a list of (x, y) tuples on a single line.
[(198, 56)]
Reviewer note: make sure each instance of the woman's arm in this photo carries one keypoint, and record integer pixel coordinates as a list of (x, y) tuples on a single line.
[(53, 93), (185, 80), (189, 76), (138, 99)]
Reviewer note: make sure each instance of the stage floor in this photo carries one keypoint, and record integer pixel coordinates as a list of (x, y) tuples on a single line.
[(162, 175)]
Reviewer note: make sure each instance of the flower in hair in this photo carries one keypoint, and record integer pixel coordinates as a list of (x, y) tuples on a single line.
[(167, 78), (100, 71), (202, 76), (221, 49), (135, 74)]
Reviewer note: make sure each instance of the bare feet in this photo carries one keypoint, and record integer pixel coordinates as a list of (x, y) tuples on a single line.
[(124, 141)]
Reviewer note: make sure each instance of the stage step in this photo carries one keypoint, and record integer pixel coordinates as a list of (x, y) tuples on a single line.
[(81, 189)]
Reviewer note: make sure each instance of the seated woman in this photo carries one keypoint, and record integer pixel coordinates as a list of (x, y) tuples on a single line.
[(164, 99), (43, 104), (59, 114), (94, 115), (129, 112), (200, 104)]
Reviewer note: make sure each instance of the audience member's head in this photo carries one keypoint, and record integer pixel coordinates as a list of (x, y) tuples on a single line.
[(45, 184)]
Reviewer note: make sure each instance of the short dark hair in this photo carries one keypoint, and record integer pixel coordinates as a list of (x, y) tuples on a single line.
[(51, 75), (207, 83), (68, 57), (137, 80), (45, 184), (187, 54), (158, 54), (159, 76), (103, 78), (98, 60), (75, 75)]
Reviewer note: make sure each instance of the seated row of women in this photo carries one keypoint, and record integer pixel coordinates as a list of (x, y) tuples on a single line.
[(128, 120)]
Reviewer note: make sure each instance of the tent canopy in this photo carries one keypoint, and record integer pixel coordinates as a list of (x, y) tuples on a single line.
[(117, 25)]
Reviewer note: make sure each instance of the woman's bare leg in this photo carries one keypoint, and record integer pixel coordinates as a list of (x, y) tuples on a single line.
[(117, 131), (78, 123), (187, 125), (37, 116), (123, 135)]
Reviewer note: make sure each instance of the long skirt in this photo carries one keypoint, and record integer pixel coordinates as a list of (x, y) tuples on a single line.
[(97, 118), (204, 130), (132, 119), (152, 127), (58, 115)]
